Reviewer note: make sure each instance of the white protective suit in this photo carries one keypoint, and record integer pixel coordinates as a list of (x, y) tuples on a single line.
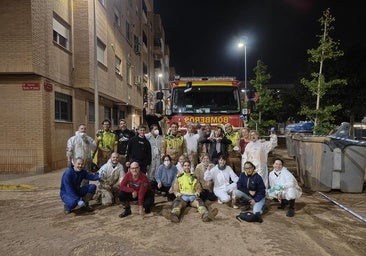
[(221, 179), (257, 153), (108, 185), (289, 187), (80, 145), (155, 143)]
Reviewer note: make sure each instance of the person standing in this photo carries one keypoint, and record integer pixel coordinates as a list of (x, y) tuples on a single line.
[(283, 187), (191, 140), (224, 179), (244, 139), (106, 143), (252, 189), (233, 153), (218, 145), (173, 144), (123, 136), (155, 140), (187, 190), (135, 186), (152, 118), (139, 150), (257, 152), (111, 175), (80, 145), (71, 191)]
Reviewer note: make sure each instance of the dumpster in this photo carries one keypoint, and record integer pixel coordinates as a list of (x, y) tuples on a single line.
[(353, 159), (291, 129), (331, 162), (315, 161)]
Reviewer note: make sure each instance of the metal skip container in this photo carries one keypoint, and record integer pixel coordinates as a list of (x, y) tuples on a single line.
[(315, 161), (330, 162)]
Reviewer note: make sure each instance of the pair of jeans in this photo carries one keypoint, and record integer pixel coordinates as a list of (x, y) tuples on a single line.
[(257, 207)]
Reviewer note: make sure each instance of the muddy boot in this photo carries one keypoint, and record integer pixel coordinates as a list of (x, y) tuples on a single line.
[(209, 215), (174, 217), (126, 212), (258, 217), (283, 204), (291, 210)]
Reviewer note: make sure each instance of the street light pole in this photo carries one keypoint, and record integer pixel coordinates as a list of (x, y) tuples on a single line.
[(159, 76), (243, 44)]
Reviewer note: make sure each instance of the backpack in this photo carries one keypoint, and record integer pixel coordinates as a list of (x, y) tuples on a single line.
[(249, 217)]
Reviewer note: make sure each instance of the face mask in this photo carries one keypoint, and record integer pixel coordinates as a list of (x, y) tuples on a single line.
[(205, 164), (167, 163), (156, 132)]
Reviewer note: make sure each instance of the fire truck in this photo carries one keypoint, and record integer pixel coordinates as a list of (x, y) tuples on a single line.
[(205, 100)]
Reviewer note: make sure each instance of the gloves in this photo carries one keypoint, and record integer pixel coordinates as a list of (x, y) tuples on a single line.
[(276, 188), (81, 203), (179, 195), (197, 194)]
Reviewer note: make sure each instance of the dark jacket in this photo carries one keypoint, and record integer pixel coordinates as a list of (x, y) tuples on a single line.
[(139, 149), (123, 137), (214, 155), (254, 183)]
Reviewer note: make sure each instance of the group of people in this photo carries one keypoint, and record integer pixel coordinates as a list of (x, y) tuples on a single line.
[(204, 164)]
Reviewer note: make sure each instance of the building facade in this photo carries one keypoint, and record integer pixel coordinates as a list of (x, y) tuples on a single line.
[(69, 62)]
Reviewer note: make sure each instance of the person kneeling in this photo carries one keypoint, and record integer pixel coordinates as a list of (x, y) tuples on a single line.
[(251, 188), (71, 191), (187, 190), (136, 186), (283, 187)]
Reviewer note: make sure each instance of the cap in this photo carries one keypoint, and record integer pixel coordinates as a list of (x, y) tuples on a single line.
[(273, 129)]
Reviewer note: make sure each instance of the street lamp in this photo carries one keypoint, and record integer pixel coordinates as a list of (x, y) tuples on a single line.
[(159, 76), (241, 44)]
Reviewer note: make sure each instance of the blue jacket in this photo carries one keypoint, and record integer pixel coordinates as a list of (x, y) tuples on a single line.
[(253, 183), (71, 181)]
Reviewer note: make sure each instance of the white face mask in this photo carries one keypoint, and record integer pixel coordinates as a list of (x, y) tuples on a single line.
[(166, 163), (156, 132)]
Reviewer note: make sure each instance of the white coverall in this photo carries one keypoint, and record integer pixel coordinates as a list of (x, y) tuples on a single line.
[(257, 153)]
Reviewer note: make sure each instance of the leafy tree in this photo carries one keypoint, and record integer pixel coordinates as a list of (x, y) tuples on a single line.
[(261, 118), (328, 49)]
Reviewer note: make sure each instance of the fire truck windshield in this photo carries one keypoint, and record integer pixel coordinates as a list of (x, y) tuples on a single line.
[(206, 100)]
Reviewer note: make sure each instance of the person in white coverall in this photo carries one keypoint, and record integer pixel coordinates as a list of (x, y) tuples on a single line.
[(257, 152), (111, 175), (283, 187), (221, 175), (80, 145)]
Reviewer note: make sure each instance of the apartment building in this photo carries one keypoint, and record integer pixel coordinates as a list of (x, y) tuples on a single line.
[(67, 62)]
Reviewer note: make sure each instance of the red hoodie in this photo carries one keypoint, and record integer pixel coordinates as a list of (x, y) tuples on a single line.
[(141, 186)]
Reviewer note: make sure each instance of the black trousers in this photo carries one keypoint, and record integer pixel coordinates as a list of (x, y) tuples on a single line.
[(149, 199)]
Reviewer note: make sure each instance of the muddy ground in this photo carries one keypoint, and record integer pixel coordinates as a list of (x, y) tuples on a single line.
[(33, 223)]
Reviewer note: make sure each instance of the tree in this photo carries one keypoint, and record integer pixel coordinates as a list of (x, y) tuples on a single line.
[(328, 49), (267, 106)]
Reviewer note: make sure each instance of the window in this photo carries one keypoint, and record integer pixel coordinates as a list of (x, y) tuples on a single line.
[(91, 112), (63, 107), (100, 51), (115, 116), (103, 2), (117, 19), (117, 65), (144, 69), (107, 113), (61, 34), (129, 77), (144, 38), (128, 31)]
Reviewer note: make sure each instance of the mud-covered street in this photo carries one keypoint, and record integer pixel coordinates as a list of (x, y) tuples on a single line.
[(33, 223)]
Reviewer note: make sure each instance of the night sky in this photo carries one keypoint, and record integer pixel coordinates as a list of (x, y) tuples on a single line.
[(203, 34)]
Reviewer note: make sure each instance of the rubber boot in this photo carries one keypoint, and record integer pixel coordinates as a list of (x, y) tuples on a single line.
[(291, 210), (258, 217), (283, 204), (126, 212)]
